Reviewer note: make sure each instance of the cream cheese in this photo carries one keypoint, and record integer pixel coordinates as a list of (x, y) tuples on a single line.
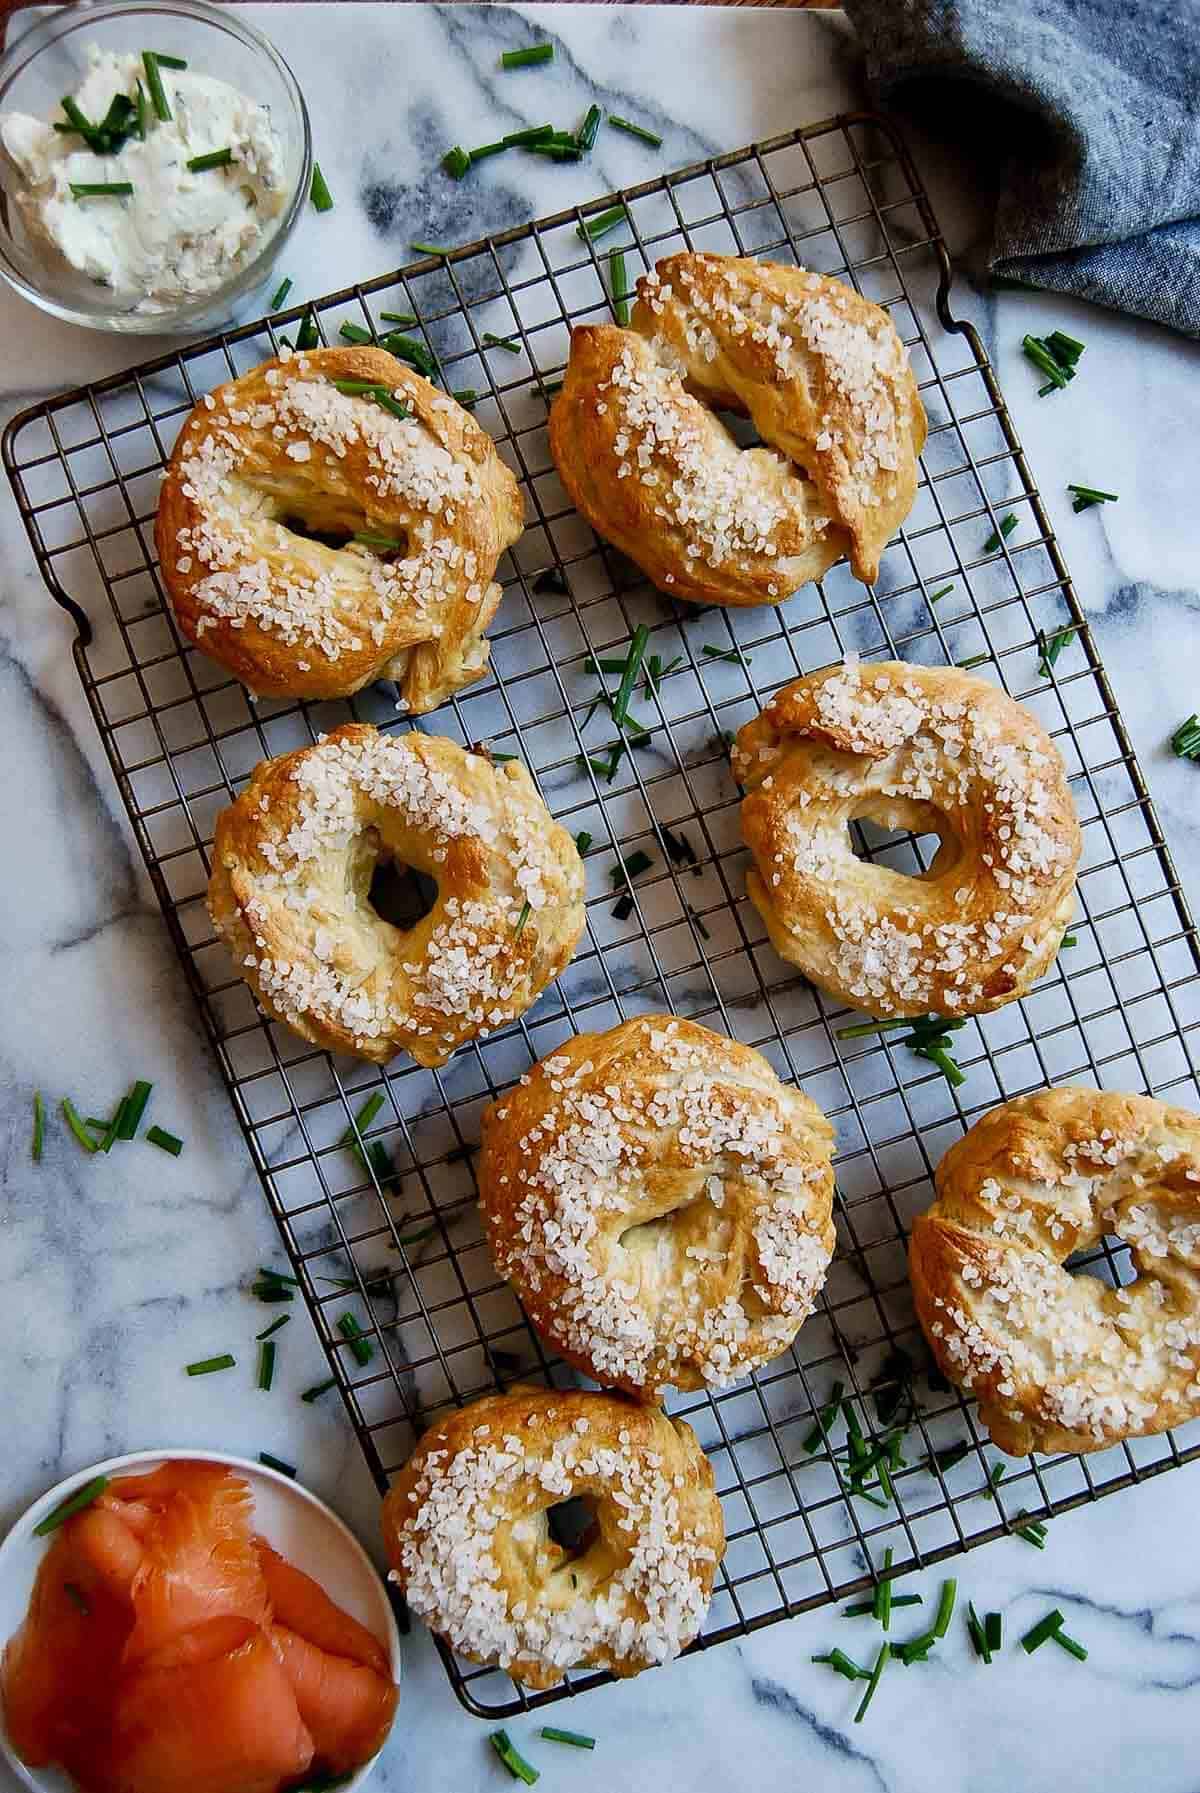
[(179, 234)]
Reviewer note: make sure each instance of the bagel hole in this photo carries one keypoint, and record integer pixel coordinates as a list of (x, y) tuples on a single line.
[(400, 894), (907, 838), (328, 536), (572, 1524), (1109, 1261)]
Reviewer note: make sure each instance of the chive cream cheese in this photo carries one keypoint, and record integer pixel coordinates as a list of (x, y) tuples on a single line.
[(180, 232)]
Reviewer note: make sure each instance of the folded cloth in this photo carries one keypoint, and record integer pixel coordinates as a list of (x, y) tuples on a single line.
[(1092, 109)]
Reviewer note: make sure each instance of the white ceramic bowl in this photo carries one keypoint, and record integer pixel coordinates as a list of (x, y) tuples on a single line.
[(299, 1526), (48, 60)]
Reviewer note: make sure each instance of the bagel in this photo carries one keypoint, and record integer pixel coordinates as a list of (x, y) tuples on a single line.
[(931, 750), (1060, 1362), (823, 376), (466, 1530), (293, 859), (661, 1204), (283, 449)]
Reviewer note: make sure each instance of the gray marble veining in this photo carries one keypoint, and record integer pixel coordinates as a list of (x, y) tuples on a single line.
[(115, 1273)]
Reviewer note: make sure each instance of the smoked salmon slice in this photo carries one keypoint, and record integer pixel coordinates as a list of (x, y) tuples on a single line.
[(166, 1649), (347, 1707), (212, 1711), (301, 1604)]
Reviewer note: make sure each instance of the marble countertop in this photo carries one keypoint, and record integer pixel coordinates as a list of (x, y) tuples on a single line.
[(113, 1274)]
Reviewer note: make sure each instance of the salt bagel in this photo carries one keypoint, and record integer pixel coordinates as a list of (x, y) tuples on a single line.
[(293, 616), (293, 859), (1061, 1362), (466, 1531), (926, 749), (661, 1202), (823, 376)]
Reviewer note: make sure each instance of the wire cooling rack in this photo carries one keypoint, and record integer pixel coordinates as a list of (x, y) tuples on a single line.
[(1121, 1009)]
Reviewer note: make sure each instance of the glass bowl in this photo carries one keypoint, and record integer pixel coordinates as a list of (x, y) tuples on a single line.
[(50, 59)]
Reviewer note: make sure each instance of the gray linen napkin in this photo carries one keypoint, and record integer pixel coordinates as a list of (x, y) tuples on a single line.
[(1091, 109)]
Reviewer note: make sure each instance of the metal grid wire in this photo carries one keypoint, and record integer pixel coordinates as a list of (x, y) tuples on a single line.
[(1121, 1010)]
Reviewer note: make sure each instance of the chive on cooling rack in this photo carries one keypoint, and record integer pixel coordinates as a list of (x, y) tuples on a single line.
[(182, 738)]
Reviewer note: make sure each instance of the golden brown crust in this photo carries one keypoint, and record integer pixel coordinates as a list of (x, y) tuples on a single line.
[(295, 617), (660, 1202), (826, 381), (1061, 1362), (926, 749), (465, 1529), (292, 865)]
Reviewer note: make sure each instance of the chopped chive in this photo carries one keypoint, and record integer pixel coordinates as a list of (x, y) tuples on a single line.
[(637, 649), (398, 317), (734, 655), (1041, 1633), (619, 281), (626, 124), (39, 1127), (430, 249), (556, 152), (583, 841), (214, 158), (1052, 646), (359, 1123), (318, 1389), (596, 667), (681, 852), (1087, 496), (550, 387), (881, 1662), (513, 1760), (466, 396), (633, 867), (154, 86), (280, 294), (826, 1417), (1067, 942), (74, 1503), (526, 58), (492, 341), (503, 759), (993, 1630), (457, 162), (410, 349), (948, 1458), (883, 1591), (945, 1611), (996, 1474), (862, 1029), (586, 135), (1185, 742), (622, 910), (845, 1665), (864, 1607), (1066, 349), (977, 1633), (522, 918), (355, 333), (165, 61), (531, 134), (207, 1366), (76, 1125), (101, 189), (308, 336), (368, 540), (112, 1130), (935, 597), (1007, 525), (576, 1739), (1070, 1645), (699, 921), (318, 192), (270, 1292), (78, 119), (601, 224), (139, 119), (1031, 1534), (350, 1330), (77, 1597), (273, 1327), (166, 1142), (266, 1362), (973, 660), (288, 1469)]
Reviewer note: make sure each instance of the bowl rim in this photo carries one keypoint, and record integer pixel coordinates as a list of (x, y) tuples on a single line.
[(21, 1530), (61, 23)]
